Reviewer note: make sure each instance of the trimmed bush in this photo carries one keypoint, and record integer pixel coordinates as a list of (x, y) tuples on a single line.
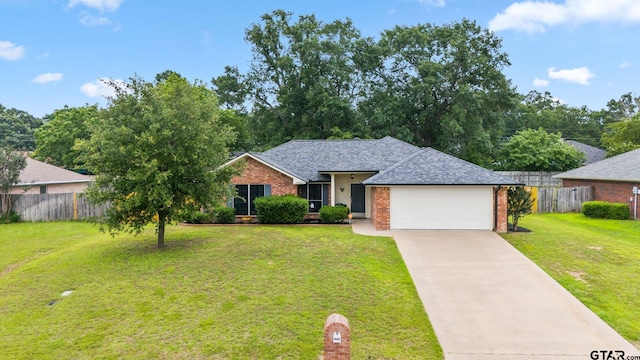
[(606, 210), (333, 214), (225, 215), (283, 209)]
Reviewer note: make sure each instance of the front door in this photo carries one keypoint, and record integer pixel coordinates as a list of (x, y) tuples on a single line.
[(357, 198)]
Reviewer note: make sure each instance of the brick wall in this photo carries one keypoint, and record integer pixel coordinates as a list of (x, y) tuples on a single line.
[(502, 215), (380, 208), (610, 191), (257, 173)]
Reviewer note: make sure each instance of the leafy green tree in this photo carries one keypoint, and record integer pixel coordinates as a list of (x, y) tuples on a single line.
[(622, 136), (157, 152), (519, 204), (303, 80), (56, 138), (441, 86), (11, 165), (537, 150), (17, 128), (541, 110)]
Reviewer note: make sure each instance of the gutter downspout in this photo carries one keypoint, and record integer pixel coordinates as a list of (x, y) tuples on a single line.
[(495, 207)]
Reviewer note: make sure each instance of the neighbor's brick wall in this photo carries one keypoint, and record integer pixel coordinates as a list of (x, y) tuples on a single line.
[(502, 218), (610, 191), (380, 208), (257, 173)]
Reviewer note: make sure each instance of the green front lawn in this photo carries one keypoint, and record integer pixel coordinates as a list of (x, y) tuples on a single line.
[(227, 292), (598, 261)]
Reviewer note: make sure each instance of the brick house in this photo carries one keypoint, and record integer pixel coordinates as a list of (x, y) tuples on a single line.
[(393, 183), (613, 179)]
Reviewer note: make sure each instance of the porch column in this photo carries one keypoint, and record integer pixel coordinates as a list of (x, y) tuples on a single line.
[(333, 190)]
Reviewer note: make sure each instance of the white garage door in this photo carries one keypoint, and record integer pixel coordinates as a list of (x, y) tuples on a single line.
[(441, 207)]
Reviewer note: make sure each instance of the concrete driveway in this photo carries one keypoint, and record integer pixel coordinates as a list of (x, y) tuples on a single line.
[(486, 300)]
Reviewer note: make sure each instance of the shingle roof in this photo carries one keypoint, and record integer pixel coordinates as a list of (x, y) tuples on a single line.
[(623, 167), (37, 172), (395, 161), (308, 158), (592, 153), (431, 167)]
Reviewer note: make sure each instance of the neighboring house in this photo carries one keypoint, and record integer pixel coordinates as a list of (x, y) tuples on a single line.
[(42, 178), (613, 179), (592, 154), (395, 184)]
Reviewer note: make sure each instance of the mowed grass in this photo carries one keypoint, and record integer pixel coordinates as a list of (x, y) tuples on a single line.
[(598, 261), (227, 292)]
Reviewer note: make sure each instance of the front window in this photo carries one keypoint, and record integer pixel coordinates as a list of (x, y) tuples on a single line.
[(317, 194), (243, 202)]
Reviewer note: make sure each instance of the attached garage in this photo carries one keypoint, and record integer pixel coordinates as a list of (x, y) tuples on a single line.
[(441, 207)]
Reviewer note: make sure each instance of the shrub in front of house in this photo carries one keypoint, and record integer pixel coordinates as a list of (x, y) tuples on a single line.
[(283, 209), (333, 214), (224, 215), (200, 217), (606, 210)]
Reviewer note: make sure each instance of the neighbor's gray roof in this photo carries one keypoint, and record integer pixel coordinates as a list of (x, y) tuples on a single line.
[(592, 153), (395, 161), (623, 167), (431, 167), (37, 172)]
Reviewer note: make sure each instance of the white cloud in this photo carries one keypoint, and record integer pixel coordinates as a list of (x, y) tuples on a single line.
[(579, 75), (48, 77), (436, 3), (91, 21), (536, 16), (625, 64), (10, 51), (102, 5), (540, 82), (100, 87)]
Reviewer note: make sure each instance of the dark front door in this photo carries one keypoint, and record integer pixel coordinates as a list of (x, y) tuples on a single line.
[(357, 198)]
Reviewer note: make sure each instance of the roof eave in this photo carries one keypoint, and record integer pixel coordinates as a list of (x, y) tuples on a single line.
[(598, 178)]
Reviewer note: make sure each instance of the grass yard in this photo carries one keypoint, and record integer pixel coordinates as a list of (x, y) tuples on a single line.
[(598, 261), (228, 292)]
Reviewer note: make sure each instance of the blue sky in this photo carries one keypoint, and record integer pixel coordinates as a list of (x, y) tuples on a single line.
[(53, 52)]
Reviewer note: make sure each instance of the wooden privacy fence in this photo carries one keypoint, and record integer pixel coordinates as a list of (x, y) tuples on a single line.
[(54, 207), (563, 200), (533, 178)]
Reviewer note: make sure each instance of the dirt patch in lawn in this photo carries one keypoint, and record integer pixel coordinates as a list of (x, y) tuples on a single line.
[(577, 275)]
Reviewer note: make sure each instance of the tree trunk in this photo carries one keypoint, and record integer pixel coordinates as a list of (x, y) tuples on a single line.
[(161, 220)]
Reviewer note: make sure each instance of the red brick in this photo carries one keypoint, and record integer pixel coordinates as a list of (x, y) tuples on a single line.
[(342, 350), (610, 191), (502, 216), (381, 208), (257, 173)]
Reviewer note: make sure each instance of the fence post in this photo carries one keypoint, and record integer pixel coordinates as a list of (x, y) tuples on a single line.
[(337, 338)]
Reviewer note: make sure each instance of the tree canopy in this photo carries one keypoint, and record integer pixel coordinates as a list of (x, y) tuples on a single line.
[(622, 136), (537, 150), (55, 139), (157, 152), (17, 128), (443, 87)]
